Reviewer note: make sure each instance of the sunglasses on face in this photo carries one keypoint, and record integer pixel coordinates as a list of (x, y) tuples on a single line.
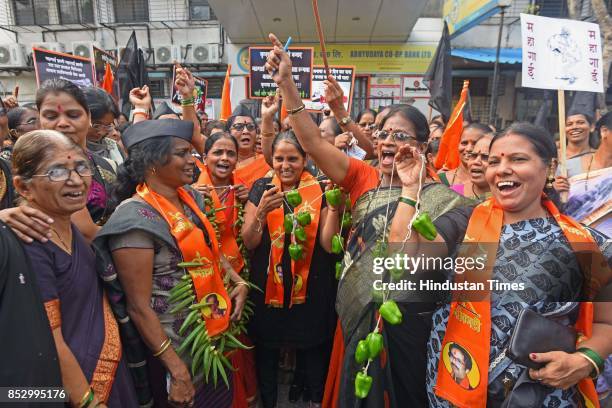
[(240, 126), (396, 136), (473, 156), (368, 126), (63, 174)]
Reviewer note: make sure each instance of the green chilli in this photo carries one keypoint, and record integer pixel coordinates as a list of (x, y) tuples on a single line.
[(222, 372), (188, 321), (183, 304)]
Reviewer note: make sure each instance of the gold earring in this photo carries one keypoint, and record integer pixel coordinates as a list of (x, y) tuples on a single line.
[(551, 176), (154, 170)]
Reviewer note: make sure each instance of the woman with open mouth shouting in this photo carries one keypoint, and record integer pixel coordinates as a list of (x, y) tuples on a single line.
[(251, 166), (225, 196), (459, 178), (374, 194), (528, 247)]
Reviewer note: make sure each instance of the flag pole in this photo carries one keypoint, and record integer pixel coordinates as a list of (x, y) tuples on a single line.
[(315, 9), (562, 138)]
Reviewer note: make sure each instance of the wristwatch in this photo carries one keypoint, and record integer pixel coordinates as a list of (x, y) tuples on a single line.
[(345, 121)]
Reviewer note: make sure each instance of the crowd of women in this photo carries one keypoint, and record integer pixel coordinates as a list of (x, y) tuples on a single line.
[(168, 260)]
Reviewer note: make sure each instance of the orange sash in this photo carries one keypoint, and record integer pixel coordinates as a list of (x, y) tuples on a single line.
[(253, 171), (312, 197), (469, 323), (207, 279), (225, 220)]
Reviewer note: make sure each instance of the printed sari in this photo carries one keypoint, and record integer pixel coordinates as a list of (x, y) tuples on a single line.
[(399, 374)]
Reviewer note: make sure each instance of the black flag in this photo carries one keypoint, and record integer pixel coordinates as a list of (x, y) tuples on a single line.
[(467, 109), (438, 77), (541, 118), (583, 103), (132, 72)]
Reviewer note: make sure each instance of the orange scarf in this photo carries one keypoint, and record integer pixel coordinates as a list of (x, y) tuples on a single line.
[(207, 279), (225, 220), (312, 197), (253, 171), (469, 323)]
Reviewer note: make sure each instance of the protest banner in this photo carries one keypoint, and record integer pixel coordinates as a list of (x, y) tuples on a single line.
[(100, 59), (563, 55), (262, 85), (199, 93), (51, 64), (345, 76)]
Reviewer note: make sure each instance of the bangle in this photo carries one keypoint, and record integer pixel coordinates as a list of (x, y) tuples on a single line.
[(87, 399), (187, 102), (243, 283), (267, 134), (164, 346), (595, 371), (592, 354), (408, 200), (260, 229), (146, 115), (140, 110), (296, 110)]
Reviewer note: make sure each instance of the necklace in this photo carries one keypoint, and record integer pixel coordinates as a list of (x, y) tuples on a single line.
[(474, 192), (66, 247)]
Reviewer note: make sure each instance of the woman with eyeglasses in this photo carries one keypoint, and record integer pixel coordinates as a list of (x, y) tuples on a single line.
[(365, 120), (251, 166), (374, 194), (21, 120), (459, 179), (477, 165), (102, 132), (53, 175)]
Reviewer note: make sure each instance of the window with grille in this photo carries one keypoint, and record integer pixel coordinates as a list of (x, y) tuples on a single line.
[(31, 12), (552, 8), (200, 10), (130, 11), (76, 11), (157, 87)]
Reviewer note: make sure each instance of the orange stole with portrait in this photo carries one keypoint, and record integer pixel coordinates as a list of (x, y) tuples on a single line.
[(206, 278), (312, 198), (469, 323), (225, 218), (253, 171)]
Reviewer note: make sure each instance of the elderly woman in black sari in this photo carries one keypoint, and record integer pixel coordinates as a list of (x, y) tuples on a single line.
[(157, 240), (374, 194)]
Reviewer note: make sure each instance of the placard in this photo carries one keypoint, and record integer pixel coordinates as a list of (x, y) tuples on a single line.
[(100, 58), (51, 64), (261, 83), (561, 54), (345, 76), (199, 93)]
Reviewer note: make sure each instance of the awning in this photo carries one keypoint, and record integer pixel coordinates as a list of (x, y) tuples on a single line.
[(506, 55)]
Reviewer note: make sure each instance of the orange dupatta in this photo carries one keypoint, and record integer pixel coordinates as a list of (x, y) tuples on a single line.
[(469, 323), (225, 220), (312, 198), (207, 279), (253, 171)]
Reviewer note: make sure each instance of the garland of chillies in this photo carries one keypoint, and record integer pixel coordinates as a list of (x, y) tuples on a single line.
[(209, 354), (370, 348), (294, 224), (334, 199)]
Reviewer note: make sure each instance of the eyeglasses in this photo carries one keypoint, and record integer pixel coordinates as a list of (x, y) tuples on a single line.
[(240, 126), (368, 126), (473, 156), (63, 174), (397, 136), (104, 128)]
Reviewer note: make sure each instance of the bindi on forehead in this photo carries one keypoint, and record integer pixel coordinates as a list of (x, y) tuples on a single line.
[(60, 109)]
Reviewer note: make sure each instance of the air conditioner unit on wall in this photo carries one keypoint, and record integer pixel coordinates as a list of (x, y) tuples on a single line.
[(84, 48), (51, 46), (13, 55), (165, 54), (203, 54)]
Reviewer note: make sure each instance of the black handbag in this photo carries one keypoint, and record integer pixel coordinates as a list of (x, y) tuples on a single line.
[(534, 333)]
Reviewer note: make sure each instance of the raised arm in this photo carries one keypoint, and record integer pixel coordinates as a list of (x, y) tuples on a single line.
[(185, 85), (334, 96), (330, 160), (269, 107)]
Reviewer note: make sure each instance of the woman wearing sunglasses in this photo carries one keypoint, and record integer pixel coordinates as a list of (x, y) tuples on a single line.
[(53, 175), (251, 166), (374, 194)]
